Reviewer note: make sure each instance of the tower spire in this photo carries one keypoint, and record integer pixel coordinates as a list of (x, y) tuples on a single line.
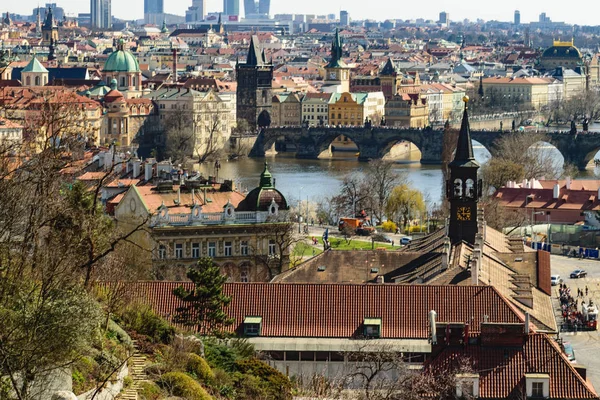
[(464, 147)]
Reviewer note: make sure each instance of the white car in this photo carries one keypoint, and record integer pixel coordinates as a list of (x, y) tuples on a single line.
[(555, 280)]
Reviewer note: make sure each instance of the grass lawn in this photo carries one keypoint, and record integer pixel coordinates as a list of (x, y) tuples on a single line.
[(305, 250), (340, 244)]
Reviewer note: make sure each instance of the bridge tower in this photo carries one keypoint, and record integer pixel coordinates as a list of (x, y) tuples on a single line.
[(255, 87), (463, 189), (389, 79), (337, 72)]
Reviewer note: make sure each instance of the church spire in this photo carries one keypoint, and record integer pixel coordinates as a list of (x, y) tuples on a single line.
[(464, 147)]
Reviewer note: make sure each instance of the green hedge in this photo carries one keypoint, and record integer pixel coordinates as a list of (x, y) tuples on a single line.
[(183, 385), (198, 366)]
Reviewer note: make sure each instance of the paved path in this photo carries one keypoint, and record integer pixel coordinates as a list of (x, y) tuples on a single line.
[(137, 366)]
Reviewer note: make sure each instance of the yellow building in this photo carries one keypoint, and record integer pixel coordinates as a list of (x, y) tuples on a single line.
[(347, 109), (510, 92)]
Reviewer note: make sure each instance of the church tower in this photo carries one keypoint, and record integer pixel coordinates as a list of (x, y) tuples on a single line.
[(337, 73), (49, 29), (255, 87), (463, 189)]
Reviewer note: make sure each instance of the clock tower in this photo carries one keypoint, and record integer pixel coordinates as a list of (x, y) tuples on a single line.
[(463, 189), (337, 72)]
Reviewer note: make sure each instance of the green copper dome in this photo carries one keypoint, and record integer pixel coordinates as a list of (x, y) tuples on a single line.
[(121, 61)]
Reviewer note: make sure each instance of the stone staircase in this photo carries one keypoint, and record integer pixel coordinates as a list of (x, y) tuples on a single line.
[(137, 365)]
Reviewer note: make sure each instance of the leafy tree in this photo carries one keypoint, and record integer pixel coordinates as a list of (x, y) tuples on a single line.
[(404, 203), (203, 307)]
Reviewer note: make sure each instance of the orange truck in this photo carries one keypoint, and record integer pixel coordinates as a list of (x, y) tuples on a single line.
[(360, 225)]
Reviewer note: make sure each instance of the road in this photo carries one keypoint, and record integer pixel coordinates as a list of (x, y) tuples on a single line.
[(585, 344)]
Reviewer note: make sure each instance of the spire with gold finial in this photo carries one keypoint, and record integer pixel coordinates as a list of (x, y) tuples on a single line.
[(464, 148)]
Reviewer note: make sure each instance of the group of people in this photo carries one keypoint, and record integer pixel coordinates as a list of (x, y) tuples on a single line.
[(571, 307)]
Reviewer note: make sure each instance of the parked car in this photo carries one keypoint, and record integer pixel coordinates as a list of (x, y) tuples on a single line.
[(578, 273), (555, 280), (570, 353), (405, 240)]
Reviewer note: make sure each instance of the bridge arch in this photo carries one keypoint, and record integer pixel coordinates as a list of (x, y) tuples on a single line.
[(549, 157)]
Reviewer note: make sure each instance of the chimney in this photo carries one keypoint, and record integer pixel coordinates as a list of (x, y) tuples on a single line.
[(486, 318), (193, 197), (148, 171), (475, 266), (556, 191), (432, 322), (526, 323), (380, 279), (568, 183), (179, 195), (174, 65), (136, 167), (446, 254)]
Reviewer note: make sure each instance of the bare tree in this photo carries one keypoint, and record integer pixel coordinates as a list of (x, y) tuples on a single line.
[(209, 144), (281, 239), (382, 178)]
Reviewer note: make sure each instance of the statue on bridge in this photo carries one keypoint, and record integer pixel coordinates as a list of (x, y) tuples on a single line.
[(368, 123), (573, 130), (501, 126), (586, 123), (514, 125)]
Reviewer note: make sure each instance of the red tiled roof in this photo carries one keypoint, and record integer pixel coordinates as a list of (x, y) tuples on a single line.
[(502, 370), (338, 310)]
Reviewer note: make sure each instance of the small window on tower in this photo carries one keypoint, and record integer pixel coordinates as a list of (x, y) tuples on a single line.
[(458, 191), (470, 188)]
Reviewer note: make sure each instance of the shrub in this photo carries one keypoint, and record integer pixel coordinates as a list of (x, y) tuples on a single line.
[(389, 226), (127, 382), (143, 320), (149, 391), (183, 385), (198, 366), (82, 373), (120, 334), (219, 355), (276, 384)]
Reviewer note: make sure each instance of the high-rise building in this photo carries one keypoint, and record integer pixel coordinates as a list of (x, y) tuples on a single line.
[(196, 12), (100, 14), (264, 7), (154, 11), (344, 18), (517, 17), (231, 7), (444, 18), (250, 8), (544, 19)]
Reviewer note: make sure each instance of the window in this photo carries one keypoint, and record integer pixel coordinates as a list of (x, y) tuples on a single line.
[(244, 247), (244, 275), (37, 81), (162, 252), (537, 389), (212, 249), (179, 250), (228, 249), (272, 250), (252, 325), (122, 81), (372, 327), (195, 250)]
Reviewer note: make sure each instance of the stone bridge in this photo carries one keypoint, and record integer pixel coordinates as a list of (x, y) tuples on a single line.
[(375, 142)]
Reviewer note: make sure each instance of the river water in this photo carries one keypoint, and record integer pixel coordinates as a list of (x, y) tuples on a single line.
[(317, 179)]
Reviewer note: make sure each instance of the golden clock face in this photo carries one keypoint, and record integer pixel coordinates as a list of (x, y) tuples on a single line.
[(463, 214)]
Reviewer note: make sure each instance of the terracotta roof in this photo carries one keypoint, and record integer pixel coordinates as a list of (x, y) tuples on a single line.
[(338, 310), (502, 369)]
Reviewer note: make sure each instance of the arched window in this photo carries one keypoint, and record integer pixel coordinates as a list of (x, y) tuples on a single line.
[(470, 189), (37, 81), (458, 190), (122, 81), (28, 81)]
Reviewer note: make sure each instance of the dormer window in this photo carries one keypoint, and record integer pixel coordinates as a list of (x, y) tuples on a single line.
[(372, 327), (467, 385), (252, 325), (537, 386)]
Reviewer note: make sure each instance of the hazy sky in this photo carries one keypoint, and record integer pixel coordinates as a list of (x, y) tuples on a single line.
[(584, 13)]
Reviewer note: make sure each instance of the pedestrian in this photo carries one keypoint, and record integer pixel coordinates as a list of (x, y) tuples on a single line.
[(586, 290), (392, 243)]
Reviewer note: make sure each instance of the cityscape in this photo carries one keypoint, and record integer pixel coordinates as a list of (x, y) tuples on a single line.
[(238, 201)]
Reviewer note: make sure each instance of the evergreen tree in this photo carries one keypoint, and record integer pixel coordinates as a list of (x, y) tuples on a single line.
[(204, 307)]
